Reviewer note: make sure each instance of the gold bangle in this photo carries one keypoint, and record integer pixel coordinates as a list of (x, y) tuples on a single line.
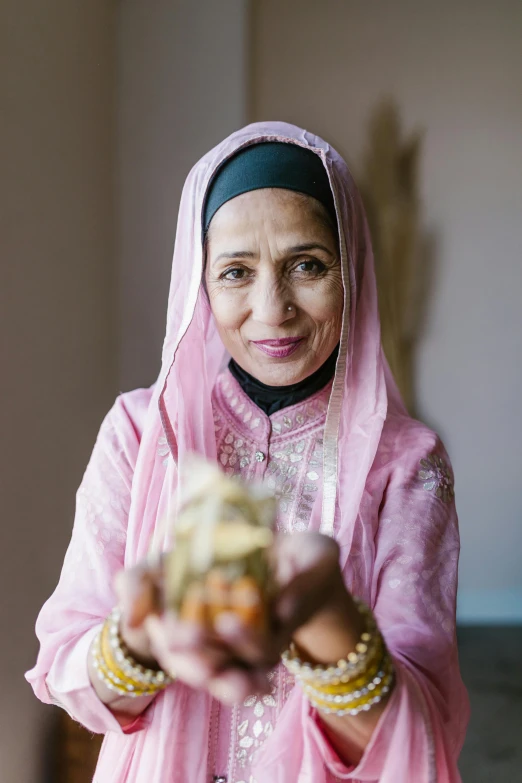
[(114, 683), (107, 658), (117, 669), (141, 675), (354, 665), (368, 688), (353, 684), (356, 683), (345, 703), (354, 708)]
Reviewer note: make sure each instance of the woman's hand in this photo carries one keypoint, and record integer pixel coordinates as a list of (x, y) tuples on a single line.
[(312, 606), (140, 595)]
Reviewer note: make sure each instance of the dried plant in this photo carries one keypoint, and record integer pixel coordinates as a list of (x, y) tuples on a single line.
[(390, 190)]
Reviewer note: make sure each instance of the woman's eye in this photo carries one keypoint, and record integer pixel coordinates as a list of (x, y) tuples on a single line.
[(234, 274), (314, 267)]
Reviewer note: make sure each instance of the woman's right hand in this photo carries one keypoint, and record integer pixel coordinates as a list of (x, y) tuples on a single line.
[(187, 650), (139, 590)]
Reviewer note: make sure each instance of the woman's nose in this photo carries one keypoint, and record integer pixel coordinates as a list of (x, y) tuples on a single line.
[(271, 304)]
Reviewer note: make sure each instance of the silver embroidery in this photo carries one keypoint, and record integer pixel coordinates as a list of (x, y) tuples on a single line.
[(283, 474), (291, 442), (253, 732), (234, 454), (163, 449), (105, 538), (436, 477)]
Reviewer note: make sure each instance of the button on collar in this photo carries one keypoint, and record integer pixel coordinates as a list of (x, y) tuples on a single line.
[(260, 457)]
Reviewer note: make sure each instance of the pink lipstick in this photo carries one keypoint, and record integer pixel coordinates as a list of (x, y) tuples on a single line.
[(281, 348)]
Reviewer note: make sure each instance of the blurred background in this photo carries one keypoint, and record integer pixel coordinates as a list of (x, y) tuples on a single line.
[(105, 106)]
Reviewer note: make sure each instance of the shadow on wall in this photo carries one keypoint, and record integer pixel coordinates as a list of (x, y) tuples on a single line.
[(405, 252)]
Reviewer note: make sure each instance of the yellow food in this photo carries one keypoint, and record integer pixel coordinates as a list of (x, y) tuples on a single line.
[(220, 559)]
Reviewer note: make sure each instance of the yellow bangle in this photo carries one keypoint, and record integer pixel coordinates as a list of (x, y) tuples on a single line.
[(355, 683), (374, 686), (113, 682), (354, 703), (117, 669), (108, 660), (350, 685), (344, 688)]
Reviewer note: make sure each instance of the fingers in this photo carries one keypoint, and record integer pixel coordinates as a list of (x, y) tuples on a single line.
[(313, 581), (181, 649), (234, 685), (191, 655), (139, 592), (301, 551), (174, 634), (301, 598), (254, 647)]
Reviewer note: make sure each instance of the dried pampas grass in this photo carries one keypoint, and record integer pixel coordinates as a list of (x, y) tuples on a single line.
[(390, 191)]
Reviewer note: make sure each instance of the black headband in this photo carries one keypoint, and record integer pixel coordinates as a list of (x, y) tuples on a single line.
[(269, 164)]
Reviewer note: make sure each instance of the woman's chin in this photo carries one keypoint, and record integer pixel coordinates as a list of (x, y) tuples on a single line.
[(281, 372)]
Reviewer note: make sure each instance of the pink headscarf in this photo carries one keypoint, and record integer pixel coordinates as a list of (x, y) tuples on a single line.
[(193, 353), (405, 539)]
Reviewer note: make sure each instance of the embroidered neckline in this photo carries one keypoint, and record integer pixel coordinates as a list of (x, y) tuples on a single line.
[(251, 420)]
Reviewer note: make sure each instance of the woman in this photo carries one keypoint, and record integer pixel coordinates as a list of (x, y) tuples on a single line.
[(273, 270)]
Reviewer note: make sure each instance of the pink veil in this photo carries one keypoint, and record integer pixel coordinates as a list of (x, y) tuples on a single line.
[(193, 353)]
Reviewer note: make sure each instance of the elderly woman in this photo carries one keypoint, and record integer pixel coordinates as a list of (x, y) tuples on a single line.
[(272, 367)]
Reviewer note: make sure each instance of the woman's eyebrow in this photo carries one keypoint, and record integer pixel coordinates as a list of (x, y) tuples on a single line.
[(308, 246), (236, 254), (293, 250)]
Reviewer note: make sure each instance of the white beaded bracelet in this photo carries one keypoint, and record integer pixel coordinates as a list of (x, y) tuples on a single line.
[(123, 674)]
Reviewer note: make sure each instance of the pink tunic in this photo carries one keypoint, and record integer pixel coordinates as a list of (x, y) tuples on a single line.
[(348, 462), (414, 555)]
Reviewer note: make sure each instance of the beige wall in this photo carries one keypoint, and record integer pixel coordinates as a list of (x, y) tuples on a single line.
[(181, 89), (57, 359), (455, 69), (103, 104), (81, 313)]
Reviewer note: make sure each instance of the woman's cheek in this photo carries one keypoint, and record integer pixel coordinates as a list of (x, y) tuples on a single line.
[(227, 308), (323, 302)]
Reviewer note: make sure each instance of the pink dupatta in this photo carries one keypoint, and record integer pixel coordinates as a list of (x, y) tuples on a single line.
[(398, 538)]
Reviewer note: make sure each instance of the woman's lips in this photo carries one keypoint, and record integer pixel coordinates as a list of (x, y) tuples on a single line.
[(281, 348)]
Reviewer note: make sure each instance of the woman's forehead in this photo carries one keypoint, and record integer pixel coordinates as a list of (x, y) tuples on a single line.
[(269, 209)]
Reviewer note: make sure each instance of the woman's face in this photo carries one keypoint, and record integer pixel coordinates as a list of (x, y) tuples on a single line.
[(274, 282)]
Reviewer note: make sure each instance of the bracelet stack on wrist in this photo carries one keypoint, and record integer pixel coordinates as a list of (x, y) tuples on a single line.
[(117, 669), (353, 685)]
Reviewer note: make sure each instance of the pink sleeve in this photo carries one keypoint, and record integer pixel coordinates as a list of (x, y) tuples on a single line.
[(72, 616), (413, 590)]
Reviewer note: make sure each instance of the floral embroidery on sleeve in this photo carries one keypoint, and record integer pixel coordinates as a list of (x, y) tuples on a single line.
[(436, 477), (163, 450)]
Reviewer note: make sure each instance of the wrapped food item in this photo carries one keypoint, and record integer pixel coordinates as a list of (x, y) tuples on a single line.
[(222, 538)]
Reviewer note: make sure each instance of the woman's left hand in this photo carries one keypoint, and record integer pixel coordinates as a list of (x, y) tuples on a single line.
[(312, 607)]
